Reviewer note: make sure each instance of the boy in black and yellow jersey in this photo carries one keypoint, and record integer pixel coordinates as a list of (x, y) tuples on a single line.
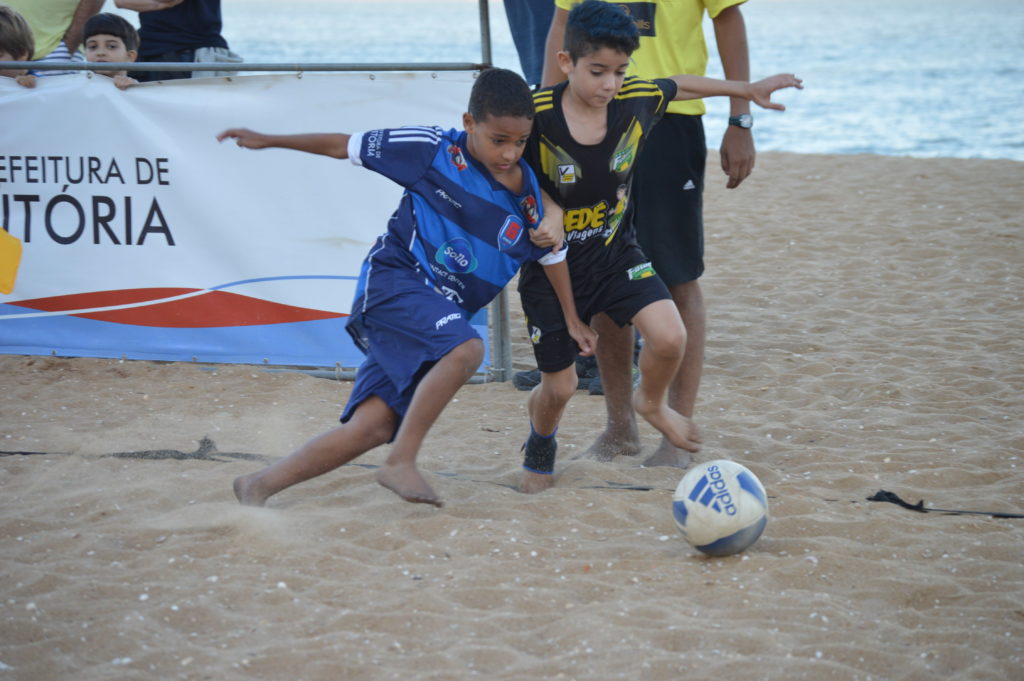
[(586, 137)]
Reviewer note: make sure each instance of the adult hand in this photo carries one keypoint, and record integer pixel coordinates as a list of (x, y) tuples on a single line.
[(737, 155)]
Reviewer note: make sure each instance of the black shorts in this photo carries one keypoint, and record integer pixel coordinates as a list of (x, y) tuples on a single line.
[(621, 295), (667, 198)]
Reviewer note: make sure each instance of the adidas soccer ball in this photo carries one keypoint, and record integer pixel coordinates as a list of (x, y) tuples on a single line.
[(720, 507)]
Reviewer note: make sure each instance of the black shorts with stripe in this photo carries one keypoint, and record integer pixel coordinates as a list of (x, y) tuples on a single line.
[(667, 198), (621, 293)]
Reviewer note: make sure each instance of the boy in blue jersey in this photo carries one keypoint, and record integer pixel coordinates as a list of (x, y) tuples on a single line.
[(587, 135), (460, 233)]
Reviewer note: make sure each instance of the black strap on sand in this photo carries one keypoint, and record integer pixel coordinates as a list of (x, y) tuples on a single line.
[(883, 495)]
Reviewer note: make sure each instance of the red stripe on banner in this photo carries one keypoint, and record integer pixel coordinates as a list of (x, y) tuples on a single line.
[(212, 309)]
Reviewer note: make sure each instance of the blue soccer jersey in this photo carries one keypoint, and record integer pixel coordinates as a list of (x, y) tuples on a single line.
[(457, 226)]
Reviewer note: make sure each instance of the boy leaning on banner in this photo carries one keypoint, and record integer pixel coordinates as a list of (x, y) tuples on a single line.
[(16, 44), (586, 138), (469, 198), (110, 39)]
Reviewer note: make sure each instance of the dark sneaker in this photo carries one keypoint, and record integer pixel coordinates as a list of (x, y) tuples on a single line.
[(595, 387), (526, 380)]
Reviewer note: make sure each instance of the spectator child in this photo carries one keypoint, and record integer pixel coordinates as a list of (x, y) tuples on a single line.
[(109, 38), (16, 44)]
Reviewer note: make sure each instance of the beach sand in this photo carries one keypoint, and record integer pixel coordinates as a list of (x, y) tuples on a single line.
[(865, 333)]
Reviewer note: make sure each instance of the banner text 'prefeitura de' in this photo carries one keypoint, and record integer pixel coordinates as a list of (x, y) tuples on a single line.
[(143, 237)]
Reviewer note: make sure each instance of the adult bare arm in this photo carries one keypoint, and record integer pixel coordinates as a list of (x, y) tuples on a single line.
[(737, 153)]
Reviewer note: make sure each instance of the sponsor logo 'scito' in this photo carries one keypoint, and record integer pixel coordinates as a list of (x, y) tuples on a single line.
[(509, 233), (567, 173), (457, 158), (456, 256), (448, 318), (711, 491)]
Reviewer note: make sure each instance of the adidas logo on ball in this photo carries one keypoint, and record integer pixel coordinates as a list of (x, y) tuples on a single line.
[(720, 507), (712, 491)]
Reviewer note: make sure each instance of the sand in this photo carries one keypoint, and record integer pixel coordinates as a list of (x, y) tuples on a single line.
[(865, 333)]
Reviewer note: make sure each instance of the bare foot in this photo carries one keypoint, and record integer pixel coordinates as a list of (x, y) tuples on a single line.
[(610, 444), (246, 491), (532, 483), (405, 481), (667, 454), (676, 428)]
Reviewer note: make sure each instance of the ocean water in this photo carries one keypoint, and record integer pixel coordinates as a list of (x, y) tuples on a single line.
[(922, 78)]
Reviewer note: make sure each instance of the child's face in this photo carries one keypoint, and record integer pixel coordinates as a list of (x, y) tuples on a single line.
[(597, 77), (102, 48), (12, 73), (497, 141)]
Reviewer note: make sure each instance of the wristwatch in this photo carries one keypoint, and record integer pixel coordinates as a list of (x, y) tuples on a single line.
[(745, 121)]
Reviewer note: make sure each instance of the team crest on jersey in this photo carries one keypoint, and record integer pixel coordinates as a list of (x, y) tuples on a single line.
[(622, 161), (529, 206), (458, 160), (456, 256), (643, 271), (510, 233), (534, 335), (625, 150), (566, 173)]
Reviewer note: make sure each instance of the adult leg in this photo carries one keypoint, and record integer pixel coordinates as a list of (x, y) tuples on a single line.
[(668, 194), (372, 424), (682, 395), (615, 362), (399, 473), (546, 405), (662, 353)]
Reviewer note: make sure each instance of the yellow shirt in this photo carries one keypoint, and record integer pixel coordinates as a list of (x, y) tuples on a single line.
[(671, 40), (48, 19)]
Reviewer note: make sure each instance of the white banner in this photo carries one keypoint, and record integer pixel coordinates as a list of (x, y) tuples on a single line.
[(143, 237)]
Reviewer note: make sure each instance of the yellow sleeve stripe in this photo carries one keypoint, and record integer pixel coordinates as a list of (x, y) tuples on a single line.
[(636, 87), (542, 101)]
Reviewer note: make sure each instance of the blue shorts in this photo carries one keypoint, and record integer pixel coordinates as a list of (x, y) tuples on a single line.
[(404, 337)]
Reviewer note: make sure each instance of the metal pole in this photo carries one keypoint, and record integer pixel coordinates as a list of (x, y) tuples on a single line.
[(485, 34), (501, 345), (221, 66)]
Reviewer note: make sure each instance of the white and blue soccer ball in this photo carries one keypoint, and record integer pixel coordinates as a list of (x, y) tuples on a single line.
[(720, 507)]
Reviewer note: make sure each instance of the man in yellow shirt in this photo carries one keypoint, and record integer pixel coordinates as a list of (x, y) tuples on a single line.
[(666, 196)]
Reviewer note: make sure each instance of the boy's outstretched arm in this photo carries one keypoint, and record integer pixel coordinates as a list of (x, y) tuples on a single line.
[(334, 145), (585, 337), (759, 92)]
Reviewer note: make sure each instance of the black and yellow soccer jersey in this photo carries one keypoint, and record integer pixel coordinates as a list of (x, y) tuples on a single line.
[(591, 181)]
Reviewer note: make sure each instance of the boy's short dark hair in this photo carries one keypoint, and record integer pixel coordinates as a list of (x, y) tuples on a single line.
[(594, 24), (15, 35), (106, 23), (500, 92)]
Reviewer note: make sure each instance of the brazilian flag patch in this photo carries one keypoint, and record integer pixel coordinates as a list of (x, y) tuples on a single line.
[(641, 272)]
